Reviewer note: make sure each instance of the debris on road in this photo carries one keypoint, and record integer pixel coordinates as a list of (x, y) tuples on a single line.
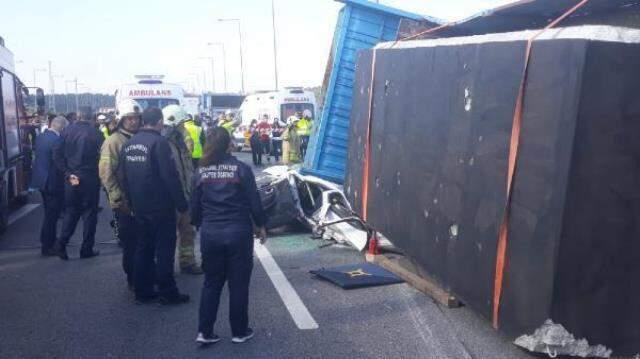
[(553, 339), (354, 276)]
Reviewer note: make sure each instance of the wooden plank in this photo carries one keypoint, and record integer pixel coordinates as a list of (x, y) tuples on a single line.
[(410, 274)]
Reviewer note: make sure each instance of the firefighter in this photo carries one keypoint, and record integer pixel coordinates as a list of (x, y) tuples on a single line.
[(152, 184), (225, 204), (126, 124), (107, 124), (291, 142), (194, 132), (303, 129), (77, 155), (174, 120)]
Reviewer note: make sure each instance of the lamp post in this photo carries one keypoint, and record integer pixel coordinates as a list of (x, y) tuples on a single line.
[(224, 61), (35, 84), (66, 92), (275, 44), (213, 73), (240, 38)]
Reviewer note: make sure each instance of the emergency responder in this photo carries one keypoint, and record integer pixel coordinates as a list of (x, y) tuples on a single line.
[(77, 155), (224, 203), (50, 181), (291, 142), (127, 123), (194, 132), (228, 122), (152, 184), (303, 129), (174, 119), (107, 124)]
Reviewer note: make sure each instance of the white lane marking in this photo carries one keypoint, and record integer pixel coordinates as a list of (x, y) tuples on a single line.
[(290, 298), (23, 211)]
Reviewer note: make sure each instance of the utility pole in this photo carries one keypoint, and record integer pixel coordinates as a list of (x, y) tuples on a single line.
[(35, 84), (66, 95), (224, 61), (213, 73), (241, 60), (77, 104), (275, 45)]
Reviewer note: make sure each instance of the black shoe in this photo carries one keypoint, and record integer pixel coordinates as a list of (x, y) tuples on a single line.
[(61, 252), (49, 252), (91, 254), (243, 338), (174, 299), (147, 299), (193, 269)]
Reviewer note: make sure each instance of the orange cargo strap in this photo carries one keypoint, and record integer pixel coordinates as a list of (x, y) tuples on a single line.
[(514, 146)]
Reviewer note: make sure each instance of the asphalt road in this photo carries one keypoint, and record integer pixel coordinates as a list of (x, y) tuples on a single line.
[(82, 309)]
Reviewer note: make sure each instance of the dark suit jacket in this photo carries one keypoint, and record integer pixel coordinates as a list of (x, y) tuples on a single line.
[(46, 176)]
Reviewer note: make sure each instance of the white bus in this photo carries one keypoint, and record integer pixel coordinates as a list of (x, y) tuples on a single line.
[(151, 91)]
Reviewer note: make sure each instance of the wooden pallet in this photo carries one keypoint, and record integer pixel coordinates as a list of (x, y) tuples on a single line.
[(415, 277)]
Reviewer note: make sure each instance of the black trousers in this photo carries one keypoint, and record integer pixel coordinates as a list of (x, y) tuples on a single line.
[(53, 203), (266, 147), (256, 153), (81, 201), (304, 143), (127, 233), (155, 255), (276, 149), (227, 256)]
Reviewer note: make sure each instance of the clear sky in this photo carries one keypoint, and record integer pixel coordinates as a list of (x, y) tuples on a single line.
[(105, 42)]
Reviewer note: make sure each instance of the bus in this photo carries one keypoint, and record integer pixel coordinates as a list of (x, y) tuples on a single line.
[(151, 91), (15, 153)]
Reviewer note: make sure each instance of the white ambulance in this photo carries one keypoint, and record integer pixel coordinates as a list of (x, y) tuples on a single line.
[(151, 91), (276, 104)]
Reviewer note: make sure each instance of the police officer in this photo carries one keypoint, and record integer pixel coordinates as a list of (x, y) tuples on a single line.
[(303, 129), (174, 119), (225, 200), (152, 185), (76, 155), (195, 139), (228, 122), (127, 124)]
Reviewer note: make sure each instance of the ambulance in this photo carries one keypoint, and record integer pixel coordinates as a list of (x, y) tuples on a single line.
[(151, 91), (276, 105)]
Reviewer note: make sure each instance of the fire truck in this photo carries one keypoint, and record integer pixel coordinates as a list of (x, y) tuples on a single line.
[(15, 151)]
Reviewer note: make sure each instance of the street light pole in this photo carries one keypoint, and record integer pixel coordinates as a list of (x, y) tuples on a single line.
[(77, 104), (275, 45), (213, 73), (35, 84), (241, 60), (224, 61), (66, 94)]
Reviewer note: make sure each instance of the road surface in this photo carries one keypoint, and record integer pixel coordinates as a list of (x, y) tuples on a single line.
[(83, 309)]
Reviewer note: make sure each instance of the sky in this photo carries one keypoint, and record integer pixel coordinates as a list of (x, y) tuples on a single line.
[(105, 43)]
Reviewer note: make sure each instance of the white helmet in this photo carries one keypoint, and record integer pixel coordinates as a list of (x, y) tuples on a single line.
[(307, 113), (128, 107), (292, 119), (174, 115), (102, 119)]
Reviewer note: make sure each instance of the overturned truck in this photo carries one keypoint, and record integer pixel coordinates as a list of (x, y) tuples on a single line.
[(430, 138)]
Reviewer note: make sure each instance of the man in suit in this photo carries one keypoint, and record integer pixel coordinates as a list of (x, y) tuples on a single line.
[(50, 181), (77, 155)]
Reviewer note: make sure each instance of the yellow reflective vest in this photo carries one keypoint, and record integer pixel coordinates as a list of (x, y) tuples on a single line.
[(228, 125), (303, 127), (195, 132), (105, 131)]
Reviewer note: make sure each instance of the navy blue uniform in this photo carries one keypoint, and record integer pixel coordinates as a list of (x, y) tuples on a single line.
[(77, 153), (50, 181), (225, 200), (152, 184)]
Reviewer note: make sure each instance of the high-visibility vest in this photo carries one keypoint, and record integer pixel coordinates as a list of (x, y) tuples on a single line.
[(303, 127), (228, 125), (195, 132), (105, 131)]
